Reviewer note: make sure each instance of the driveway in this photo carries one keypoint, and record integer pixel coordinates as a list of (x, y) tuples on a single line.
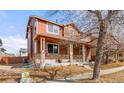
[(12, 68)]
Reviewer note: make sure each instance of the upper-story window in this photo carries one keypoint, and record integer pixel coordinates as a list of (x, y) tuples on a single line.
[(72, 32), (53, 29), (34, 28)]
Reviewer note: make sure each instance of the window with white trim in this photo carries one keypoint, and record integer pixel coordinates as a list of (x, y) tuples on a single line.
[(52, 48), (34, 28), (53, 29)]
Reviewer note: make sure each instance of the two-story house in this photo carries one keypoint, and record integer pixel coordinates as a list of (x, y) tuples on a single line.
[(51, 42)]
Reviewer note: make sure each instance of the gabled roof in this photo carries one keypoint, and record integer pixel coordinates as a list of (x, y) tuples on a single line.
[(73, 25), (42, 19), (45, 20)]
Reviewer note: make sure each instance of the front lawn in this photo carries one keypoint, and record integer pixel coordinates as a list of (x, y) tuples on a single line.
[(42, 75), (61, 72), (112, 65)]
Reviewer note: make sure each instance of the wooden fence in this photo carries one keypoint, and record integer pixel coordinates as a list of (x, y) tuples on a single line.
[(11, 60)]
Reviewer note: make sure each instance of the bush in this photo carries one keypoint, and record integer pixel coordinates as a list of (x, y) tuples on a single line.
[(53, 73), (64, 71), (69, 71)]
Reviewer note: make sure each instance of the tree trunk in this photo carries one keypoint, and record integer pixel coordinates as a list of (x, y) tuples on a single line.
[(107, 56), (99, 50)]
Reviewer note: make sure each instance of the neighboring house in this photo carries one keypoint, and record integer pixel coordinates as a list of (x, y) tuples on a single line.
[(120, 55), (50, 42), (2, 51), (23, 52), (117, 55)]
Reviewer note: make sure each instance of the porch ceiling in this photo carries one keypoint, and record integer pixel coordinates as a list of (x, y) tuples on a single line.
[(61, 40)]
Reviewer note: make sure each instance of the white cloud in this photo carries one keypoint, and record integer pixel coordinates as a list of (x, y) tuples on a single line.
[(13, 43)]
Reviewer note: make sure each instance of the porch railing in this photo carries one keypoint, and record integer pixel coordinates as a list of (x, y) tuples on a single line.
[(77, 58)]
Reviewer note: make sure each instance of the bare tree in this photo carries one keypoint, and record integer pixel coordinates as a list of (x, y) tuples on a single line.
[(1, 48), (89, 20), (1, 42)]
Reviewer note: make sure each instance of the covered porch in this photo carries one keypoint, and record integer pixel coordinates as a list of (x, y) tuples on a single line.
[(57, 50)]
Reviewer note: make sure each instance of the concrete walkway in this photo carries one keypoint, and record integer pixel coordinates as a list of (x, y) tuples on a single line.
[(8, 68), (88, 75), (102, 72)]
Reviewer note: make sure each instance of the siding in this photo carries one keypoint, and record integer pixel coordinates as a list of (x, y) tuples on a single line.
[(41, 27), (69, 35), (63, 50)]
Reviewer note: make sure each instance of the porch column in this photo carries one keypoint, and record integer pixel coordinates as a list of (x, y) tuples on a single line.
[(42, 48), (89, 55), (35, 46), (83, 53), (71, 52)]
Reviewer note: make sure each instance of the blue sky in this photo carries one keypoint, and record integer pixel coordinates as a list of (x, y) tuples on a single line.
[(13, 26)]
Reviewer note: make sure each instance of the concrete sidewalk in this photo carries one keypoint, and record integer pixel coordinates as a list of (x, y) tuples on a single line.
[(88, 75), (102, 72), (10, 69)]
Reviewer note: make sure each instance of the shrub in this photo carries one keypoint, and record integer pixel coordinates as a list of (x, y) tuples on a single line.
[(53, 71), (69, 71), (57, 72)]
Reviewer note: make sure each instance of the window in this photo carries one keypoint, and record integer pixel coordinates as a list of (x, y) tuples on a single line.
[(72, 32), (55, 48), (80, 51), (34, 28), (53, 29), (50, 28), (56, 29), (52, 48)]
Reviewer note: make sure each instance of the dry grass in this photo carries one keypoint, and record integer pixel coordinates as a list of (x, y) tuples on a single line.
[(7, 77), (16, 79), (69, 71), (42, 75), (58, 72), (112, 65), (117, 77)]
